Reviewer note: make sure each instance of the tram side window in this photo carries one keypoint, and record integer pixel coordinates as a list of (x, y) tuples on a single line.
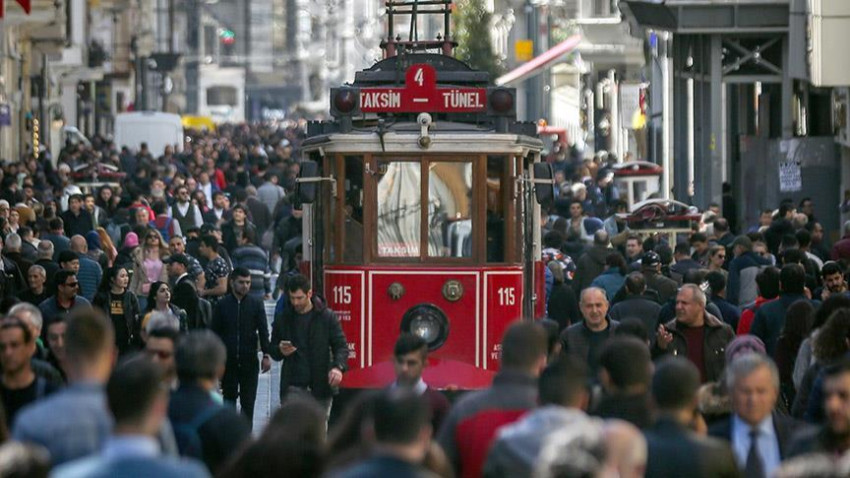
[(333, 254), (497, 172), (353, 226), (449, 209), (399, 201)]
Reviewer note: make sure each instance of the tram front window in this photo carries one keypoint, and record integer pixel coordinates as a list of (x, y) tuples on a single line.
[(353, 208), (399, 208), (449, 209), (497, 179)]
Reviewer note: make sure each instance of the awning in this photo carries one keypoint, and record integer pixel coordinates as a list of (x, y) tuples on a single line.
[(539, 63)]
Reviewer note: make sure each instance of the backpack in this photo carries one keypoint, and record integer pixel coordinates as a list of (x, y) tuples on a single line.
[(163, 230), (187, 434)]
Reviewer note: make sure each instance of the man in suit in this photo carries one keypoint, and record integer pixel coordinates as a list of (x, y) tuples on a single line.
[(185, 295), (759, 437), (674, 448), (138, 400)]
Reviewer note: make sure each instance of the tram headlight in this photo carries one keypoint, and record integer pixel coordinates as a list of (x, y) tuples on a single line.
[(501, 101), (429, 322), (345, 102)]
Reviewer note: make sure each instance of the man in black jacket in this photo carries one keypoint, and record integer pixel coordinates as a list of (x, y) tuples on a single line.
[(585, 339), (305, 336), (240, 320), (185, 294)]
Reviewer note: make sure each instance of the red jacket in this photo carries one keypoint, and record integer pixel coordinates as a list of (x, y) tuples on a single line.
[(749, 314), (471, 425)]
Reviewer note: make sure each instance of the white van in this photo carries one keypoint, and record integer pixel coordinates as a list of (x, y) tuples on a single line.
[(155, 128)]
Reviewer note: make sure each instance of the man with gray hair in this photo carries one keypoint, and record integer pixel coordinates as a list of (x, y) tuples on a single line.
[(31, 316), (585, 339), (695, 334), (12, 251), (45, 260), (205, 429), (594, 448), (37, 281), (758, 436)]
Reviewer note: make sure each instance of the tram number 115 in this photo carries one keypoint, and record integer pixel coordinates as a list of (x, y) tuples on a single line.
[(506, 296), (342, 294)]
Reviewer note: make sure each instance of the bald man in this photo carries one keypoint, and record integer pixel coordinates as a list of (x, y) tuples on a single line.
[(90, 271), (585, 339)]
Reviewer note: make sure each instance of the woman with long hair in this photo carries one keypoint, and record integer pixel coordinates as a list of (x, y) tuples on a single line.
[(716, 259), (805, 358), (107, 200), (159, 300), (828, 347), (14, 220), (798, 324), (107, 246), (293, 444), (122, 308), (147, 263)]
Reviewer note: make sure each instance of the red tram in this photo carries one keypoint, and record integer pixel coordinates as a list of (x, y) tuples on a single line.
[(421, 212)]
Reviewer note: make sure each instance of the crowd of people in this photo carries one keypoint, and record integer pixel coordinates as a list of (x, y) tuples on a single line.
[(135, 319)]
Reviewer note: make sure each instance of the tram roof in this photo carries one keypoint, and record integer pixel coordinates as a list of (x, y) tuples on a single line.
[(445, 139)]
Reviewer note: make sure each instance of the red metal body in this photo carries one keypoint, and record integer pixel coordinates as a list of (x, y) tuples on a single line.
[(370, 317)]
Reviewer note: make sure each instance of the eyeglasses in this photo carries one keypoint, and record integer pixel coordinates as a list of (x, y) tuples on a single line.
[(72, 284)]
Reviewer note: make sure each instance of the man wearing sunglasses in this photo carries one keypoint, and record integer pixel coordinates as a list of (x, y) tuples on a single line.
[(66, 299)]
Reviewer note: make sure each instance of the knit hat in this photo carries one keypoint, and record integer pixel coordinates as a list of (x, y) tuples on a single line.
[(131, 240), (93, 240), (742, 345)]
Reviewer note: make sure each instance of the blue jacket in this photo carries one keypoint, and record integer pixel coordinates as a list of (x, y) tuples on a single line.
[(742, 275), (129, 457), (80, 408), (50, 308), (89, 276), (611, 281)]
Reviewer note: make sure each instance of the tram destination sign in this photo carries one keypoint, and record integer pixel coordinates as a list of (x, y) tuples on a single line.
[(421, 94)]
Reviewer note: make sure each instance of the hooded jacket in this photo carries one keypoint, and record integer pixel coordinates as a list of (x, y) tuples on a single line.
[(516, 447), (590, 265)]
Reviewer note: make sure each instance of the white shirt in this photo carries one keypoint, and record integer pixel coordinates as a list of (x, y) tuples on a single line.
[(418, 389)]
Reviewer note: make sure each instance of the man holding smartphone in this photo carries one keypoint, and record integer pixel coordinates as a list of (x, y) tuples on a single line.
[(309, 340)]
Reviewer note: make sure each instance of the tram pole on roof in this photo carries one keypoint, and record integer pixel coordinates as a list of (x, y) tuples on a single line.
[(393, 45)]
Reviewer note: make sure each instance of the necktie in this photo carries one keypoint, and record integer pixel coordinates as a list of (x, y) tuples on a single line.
[(755, 466)]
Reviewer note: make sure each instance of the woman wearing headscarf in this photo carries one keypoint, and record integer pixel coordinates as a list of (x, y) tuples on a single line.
[(125, 255)]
